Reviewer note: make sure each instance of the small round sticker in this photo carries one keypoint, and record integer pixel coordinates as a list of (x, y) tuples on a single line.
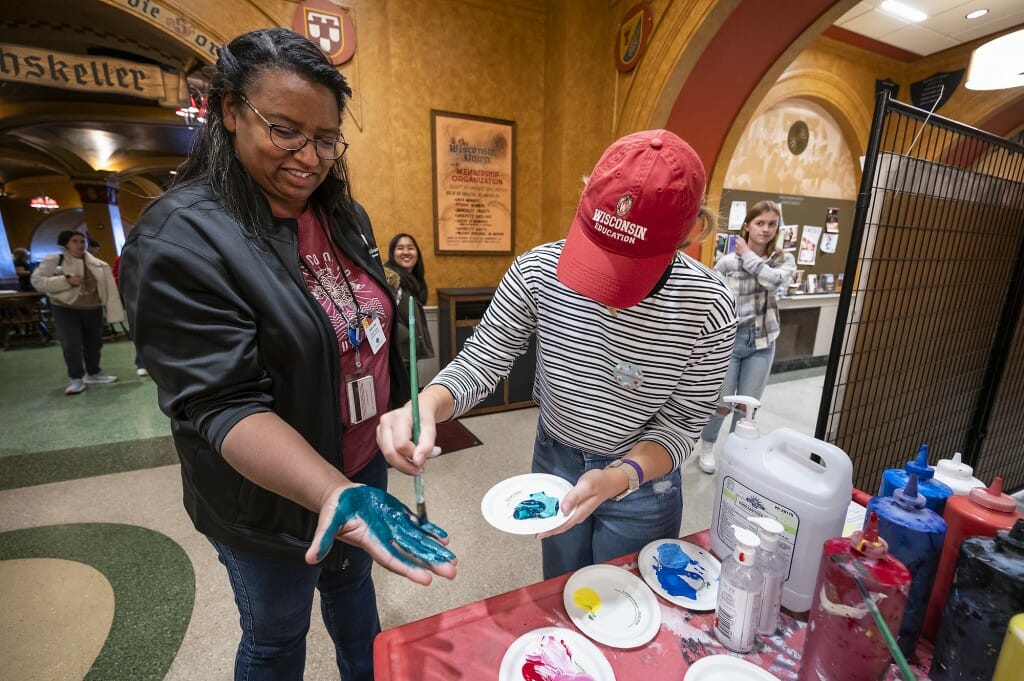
[(629, 375)]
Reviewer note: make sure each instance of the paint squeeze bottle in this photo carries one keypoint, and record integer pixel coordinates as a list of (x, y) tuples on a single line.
[(843, 641), (934, 492), (988, 588), (1010, 666), (915, 535), (956, 474), (982, 512), (739, 595), (804, 483), (773, 564)]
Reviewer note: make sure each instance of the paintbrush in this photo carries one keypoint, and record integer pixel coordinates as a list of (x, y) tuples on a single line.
[(414, 387), (890, 641)]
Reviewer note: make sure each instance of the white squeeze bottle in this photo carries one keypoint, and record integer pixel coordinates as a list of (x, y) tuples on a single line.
[(774, 565), (958, 475), (739, 595)]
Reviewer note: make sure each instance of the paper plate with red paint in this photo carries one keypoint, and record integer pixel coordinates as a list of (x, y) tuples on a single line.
[(682, 573), (554, 652), (526, 504)]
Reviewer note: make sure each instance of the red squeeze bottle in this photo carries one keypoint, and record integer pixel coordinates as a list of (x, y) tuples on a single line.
[(843, 642), (981, 513)]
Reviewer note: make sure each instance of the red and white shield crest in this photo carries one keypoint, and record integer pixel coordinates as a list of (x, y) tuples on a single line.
[(325, 30), (329, 26)]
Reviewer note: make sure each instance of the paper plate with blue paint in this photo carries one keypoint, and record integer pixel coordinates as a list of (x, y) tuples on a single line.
[(554, 652), (612, 606), (682, 573), (526, 504)]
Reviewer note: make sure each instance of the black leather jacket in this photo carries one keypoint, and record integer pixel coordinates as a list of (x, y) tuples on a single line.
[(226, 328)]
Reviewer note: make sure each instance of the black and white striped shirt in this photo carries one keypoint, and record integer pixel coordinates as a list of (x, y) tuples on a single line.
[(605, 382)]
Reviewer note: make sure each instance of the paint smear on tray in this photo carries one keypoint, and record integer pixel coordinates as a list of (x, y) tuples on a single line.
[(551, 660), (675, 574), (588, 599), (538, 505)]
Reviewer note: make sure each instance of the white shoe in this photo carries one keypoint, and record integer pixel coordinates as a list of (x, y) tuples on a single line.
[(99, 379), (75, 386), (141, 372), (706, 457)]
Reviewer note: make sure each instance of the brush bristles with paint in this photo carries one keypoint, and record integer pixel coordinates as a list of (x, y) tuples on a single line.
[(414, 387)]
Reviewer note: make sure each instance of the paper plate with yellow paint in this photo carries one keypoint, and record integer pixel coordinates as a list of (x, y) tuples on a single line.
[(612, 606), (526, 504)]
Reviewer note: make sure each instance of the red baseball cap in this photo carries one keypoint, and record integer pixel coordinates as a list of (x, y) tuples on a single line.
[(639, 204)]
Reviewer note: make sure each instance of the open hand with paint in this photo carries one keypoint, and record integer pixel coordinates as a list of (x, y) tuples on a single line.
[(386, 529)]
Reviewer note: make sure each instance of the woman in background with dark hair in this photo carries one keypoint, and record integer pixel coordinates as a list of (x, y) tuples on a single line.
[(404, 260), (260, 308)]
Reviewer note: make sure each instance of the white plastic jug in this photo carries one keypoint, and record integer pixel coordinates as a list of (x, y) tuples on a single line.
[(804, 483)]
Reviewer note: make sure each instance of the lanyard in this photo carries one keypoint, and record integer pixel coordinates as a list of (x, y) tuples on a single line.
[(355, 329)]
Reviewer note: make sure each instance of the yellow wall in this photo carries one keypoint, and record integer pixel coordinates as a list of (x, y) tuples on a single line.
[(549, 66)]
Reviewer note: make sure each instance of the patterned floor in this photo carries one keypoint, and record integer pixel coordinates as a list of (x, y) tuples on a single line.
[(103, 577)]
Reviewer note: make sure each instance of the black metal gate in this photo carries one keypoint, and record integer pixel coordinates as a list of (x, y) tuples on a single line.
[(928, 340)]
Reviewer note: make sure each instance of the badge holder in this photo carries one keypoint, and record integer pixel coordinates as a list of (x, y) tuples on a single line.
[(359, 390)]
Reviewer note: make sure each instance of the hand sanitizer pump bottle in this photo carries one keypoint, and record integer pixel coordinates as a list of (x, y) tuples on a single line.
[(739, 595), (804, 483), (775, 568)]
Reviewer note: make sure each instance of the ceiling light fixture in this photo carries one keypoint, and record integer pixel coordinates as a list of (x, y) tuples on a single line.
[(998, 64), (976, 14), (905, 12)]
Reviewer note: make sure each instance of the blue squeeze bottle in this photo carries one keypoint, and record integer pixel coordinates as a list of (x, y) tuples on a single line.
[(915, 535), (934, 492)]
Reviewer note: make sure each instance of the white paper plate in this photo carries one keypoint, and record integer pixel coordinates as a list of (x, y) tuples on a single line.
[(501, 501), (588, 657), (626, 615), (726, 668), (692, 584)]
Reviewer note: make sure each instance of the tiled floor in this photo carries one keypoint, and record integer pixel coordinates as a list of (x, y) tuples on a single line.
[(100, 567)]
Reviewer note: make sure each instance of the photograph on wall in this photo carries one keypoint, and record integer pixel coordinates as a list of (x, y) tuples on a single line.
[(828, 282), (737, 211), (811, 285), (808, 245), (474, 165), (721, 243), (787, 237), (839, 281), (829, 243), (832, 220)]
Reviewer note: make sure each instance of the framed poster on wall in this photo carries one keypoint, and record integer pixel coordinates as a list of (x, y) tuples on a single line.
[(474, 167)]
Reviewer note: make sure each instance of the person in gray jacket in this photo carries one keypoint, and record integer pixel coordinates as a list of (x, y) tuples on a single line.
[(82, 296), (260, 308)]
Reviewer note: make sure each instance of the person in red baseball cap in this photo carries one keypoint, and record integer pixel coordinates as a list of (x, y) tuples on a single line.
[(633, 340)]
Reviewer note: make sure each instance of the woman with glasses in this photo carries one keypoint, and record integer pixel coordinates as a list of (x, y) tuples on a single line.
[(756, 272), (260, 308)]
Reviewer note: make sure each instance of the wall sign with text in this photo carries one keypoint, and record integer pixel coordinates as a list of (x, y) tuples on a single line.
[(474, 166)]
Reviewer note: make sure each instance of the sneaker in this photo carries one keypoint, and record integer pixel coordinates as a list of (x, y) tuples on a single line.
[(706, 457), (75, 386), (141, 372), (98, 379)]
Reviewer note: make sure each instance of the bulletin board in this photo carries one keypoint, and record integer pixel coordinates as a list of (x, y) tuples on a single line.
[(833, 216)]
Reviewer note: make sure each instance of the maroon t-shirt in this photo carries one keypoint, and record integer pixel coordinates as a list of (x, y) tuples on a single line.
[(325, 269)]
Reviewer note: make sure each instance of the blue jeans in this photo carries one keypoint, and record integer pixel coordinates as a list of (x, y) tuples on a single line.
[(616, 528), (275, 599), (747, 375), (81, 337)]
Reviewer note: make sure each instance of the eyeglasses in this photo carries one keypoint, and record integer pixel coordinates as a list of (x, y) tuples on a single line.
[(289, 139)]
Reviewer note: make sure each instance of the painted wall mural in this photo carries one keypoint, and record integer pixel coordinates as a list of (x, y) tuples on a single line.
[(765, 161)]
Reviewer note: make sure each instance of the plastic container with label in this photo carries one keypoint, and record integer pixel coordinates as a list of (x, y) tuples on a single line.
[(804, 483)]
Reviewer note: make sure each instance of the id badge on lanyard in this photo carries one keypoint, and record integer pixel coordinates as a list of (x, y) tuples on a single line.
[(359, 390)]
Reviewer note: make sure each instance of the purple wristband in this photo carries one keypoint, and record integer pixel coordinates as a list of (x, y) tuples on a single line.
[(636, 467)]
